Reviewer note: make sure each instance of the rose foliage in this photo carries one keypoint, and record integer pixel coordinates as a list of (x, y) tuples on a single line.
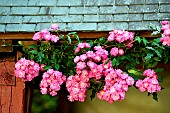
[(106, 66)]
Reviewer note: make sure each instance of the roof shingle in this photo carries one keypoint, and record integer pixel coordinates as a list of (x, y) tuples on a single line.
[(81, 15)]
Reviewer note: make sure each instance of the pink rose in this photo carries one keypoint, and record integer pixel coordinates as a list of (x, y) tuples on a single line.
[(54, 26), (114, 51)]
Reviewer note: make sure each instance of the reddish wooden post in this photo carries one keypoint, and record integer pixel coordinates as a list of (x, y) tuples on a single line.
[(12, 90)]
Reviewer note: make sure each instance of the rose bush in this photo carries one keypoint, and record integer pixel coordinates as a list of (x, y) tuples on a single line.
[(106, 66)]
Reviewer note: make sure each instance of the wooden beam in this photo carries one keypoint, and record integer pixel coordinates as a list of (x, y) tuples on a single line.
[(28, 36)]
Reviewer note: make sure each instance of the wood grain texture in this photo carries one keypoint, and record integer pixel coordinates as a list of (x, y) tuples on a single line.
[(12, 97), (17, 97), (6, 99), (92, 35), (7, 66)]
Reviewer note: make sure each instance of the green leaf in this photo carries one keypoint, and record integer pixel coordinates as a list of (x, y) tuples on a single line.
[(160, 78), (91, 43), (144, 41), (61, 36), (119, 45), (157, 58), (106, 61), (32, 57), (135, 77), (154, 64), (117, 63), (128, 66), (137, 38), (156, 51), (149, 56), (57, 66), (20, 43), (47, 67), (166, 60), (155, 96), (93, 94), (72, 33), (95, 41), (32, 46), (69, 39), (159, 70), (34, 51), (101, 40), (133, 71), (114, 61), (77, 37), (149, 94), (156, 44), (157, 40), (151, 48)]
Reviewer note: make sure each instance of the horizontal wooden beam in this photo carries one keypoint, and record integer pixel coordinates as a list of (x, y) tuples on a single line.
[(28, 36)]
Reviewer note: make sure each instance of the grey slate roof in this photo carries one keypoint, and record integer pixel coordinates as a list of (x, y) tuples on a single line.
[(81, 15)]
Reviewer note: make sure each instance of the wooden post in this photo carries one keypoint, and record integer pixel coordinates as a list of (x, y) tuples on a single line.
[(12, 90)]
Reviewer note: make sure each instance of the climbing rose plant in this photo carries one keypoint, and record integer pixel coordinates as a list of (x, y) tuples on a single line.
[(106, 66)]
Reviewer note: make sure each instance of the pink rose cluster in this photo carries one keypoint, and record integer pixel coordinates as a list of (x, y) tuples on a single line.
[(121, 36), (51, 82), (116, 51), (92, 61), (116, 84), (166, 31), (77, 86), (45, 35), (81, 46), (26, 69), (92, 65), (150, 83), (86, 68)]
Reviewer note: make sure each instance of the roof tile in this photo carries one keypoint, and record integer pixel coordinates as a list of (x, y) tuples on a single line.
[(40, 26), (143, 8), (157, 17), (143, 25), (98, 18), (54, 10), (99, 2), (4, 10), (120, 9), (20, 27), (10, 19), (37, 19), (82, 26), (42, 2), (13, 2), (25, 10), (128, 2), (76, 10), (111, 26), (2, 27), (68, 18), (165, 8)]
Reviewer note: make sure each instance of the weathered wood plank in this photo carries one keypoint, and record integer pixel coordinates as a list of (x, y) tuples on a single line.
[(7, 65), (0, 99), (17, 95), (6, 99), (28, 36)]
